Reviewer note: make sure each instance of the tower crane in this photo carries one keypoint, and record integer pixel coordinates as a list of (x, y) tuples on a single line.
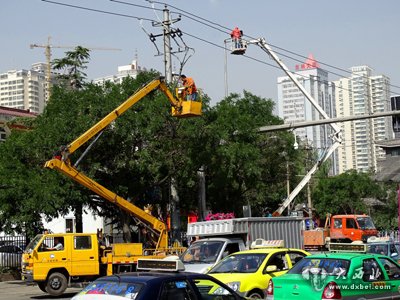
[(48, 47)]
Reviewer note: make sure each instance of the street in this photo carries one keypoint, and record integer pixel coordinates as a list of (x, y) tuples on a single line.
[(18, 290)]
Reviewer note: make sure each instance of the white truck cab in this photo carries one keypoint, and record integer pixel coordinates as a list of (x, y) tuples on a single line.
[(205, 253)]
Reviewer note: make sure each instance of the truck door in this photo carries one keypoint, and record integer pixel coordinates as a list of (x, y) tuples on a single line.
[(51, 255), (84, 255), (351, 230)]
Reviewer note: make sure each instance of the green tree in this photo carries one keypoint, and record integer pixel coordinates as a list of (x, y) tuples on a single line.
[(244, 166), (344, 193), (72, 66)]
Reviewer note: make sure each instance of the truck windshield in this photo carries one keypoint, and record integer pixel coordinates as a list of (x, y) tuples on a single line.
[(32, 245), (378, 248), (365, 223), (202, 252)]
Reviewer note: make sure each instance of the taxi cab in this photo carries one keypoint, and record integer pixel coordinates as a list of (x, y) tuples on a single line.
[(158, 279), (344, 274), (248, 272)]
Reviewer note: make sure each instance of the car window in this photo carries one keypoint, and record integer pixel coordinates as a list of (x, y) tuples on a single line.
[(177, 290), (210, 289), (231, 248), (279, 260), (128, 290), (295, 256), (202, 252), (239, 263), (337, 223), (82, 242), (371, 271), (350, 223), (378, 248), (329, 266), (392, 270), (393, 249)]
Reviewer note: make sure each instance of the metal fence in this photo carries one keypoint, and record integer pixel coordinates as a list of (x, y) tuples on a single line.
[(11, 248), (394, 234)]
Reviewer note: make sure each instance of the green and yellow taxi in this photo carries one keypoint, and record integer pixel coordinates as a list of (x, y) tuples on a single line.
[(248, 272), (339, 275)]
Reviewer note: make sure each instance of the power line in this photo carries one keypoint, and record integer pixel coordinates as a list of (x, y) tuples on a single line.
[(98, 10), (196, 18)]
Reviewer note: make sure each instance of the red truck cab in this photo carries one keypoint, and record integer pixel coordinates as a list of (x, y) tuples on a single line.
[(348, 228)]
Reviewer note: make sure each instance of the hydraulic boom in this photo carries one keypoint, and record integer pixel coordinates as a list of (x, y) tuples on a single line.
[(62, 163)]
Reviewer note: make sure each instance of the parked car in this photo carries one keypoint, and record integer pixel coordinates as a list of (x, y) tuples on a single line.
[(339, 276), (163, 281), (248, 272), (10, 256)]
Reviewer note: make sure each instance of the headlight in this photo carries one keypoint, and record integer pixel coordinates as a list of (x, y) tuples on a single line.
[(234, 285)]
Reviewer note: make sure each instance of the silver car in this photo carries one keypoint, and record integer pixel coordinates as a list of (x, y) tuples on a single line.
[(10, 256)]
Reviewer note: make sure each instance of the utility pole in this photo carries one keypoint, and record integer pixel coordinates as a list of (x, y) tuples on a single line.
[(174, 207), (167, 32), (202, 194)]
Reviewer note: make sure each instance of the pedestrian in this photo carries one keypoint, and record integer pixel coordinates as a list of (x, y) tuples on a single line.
[(236, 36), (190, 91)]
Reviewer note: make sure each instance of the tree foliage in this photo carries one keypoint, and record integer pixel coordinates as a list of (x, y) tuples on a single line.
[(345, 193), (72, 66), (139, 153)]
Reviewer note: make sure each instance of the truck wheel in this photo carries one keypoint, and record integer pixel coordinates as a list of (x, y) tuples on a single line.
[(255, 295), (56, 284), (42, 286)]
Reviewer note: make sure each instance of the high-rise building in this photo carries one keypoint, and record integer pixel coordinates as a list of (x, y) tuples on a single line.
[(24, 89), (131, 70), (362, 94), (395, 104), (294, 107)]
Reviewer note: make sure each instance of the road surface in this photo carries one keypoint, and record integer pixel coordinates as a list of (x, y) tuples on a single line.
[(18, 290)]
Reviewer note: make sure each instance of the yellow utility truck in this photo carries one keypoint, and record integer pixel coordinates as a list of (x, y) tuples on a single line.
[(56, 261)]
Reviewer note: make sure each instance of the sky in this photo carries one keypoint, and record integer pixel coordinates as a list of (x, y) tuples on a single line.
[(340, 34)]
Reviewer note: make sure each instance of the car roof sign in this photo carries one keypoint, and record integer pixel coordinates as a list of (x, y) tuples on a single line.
[(348, 247), (169, 265), (261, 243)]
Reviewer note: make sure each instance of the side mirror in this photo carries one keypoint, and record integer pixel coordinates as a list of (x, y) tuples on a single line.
[(394, 254), (271, 268)]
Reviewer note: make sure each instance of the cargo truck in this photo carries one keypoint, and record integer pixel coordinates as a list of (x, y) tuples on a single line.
[(340, 229), (219, 238)]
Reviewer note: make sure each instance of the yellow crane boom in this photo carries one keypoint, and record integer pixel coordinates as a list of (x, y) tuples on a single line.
[(62, 163)]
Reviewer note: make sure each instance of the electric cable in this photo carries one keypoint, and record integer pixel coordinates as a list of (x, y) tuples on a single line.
[(195, 17), (255, 59), (98, 10)]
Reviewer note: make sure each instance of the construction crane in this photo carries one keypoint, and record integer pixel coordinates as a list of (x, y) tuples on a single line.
[(48, 47)]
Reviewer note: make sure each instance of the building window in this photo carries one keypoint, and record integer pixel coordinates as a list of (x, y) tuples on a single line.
[(69, 225)]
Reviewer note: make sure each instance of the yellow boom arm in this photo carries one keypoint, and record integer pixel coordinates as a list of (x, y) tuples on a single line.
[(180, 108)]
